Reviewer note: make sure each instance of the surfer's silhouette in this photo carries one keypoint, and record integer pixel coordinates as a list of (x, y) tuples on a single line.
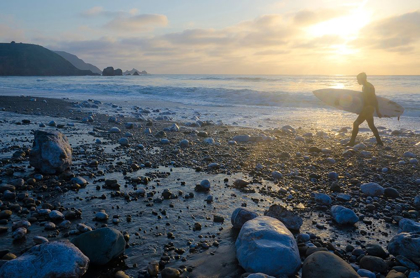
[(370, 103)]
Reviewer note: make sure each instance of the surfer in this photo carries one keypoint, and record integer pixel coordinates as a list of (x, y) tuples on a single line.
[(370, 103)]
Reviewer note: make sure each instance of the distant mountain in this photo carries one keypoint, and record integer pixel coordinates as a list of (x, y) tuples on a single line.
[(134, 71), (77, 62), (21, 59)]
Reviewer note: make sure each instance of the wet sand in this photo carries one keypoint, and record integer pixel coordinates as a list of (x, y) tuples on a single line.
[(162, 229)]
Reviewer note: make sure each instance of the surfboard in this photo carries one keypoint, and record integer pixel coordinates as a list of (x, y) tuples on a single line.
[(351, 101)]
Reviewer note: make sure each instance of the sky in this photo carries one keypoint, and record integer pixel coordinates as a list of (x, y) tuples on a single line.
[(379, 37)]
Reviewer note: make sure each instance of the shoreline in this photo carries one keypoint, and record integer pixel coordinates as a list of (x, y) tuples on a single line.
[(286, 150)]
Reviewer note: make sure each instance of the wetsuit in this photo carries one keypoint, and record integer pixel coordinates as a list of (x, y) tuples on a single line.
[(370, 103)]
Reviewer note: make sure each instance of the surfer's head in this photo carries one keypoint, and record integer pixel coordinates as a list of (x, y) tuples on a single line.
[(361, 78)]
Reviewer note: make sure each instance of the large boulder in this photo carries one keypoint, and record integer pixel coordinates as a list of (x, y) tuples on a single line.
[(118, 72), (372, 189), (52, 259), (101, 245), (405, 244), (265, 245), (51, 152), (240, 216), (323, 264), (343, 215), (291, 220), (408, 225)]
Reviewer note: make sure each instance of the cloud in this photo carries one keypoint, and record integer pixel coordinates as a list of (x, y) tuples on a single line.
[(395, 34), (137, 22), (93, 11), (308, 17)]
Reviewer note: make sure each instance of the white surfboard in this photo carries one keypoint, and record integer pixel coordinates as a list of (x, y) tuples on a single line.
[(351, 101)]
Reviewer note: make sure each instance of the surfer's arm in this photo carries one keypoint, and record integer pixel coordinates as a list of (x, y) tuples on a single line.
[(375, 102)]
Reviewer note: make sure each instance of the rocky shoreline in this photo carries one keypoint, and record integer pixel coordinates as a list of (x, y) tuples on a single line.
[(193, 199)]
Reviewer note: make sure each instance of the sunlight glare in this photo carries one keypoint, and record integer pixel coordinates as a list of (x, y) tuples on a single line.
[(345, 26)]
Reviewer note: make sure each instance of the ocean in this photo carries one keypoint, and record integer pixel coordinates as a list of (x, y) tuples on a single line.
[(262, 101)]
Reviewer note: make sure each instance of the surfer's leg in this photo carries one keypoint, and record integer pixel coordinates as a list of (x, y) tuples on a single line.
[(374, 130), (356, 124)]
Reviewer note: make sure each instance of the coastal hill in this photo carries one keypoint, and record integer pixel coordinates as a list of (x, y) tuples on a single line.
[(20, 59), (78, 63)]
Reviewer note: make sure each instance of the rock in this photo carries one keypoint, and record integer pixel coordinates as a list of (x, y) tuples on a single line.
[(260, 244), (241, 138), (343, 197), (413, 274), (333, 176), (291, 220), (52, 259), (391, 193), (203, 186), (123, 141), (396, 274), (101, 245), (240, 216), (20, 233), (277, 175), (407, 225), (366, 273), (324, 264), (414, 161), (376, 250), (109, 71), (184, 143), (56, 215), (314, 150), (359, 147), (4, 187), (5, 214), (343, 215), (174, 128), (372, 189), (406, 244), (409, 155), (416, 202), (101, 216), (79, 180), (51, 152), (322, 198), (374, 264), (406, 262), (259, 275), (121, 274), (169, 272), (114, 130), (240, 183), (209, 141), (83, 228), (40, 240)]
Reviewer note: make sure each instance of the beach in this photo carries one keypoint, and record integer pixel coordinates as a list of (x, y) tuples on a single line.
[(145, 167)]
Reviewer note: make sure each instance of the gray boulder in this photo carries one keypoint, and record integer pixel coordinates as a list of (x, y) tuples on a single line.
[(405, 244), (343, 215), (240, 216), (101, 245), (51, 152), (264, 244), (290, 219), (51, 259), (407, 225), (372, 189), (241, 138), (324, 264)]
